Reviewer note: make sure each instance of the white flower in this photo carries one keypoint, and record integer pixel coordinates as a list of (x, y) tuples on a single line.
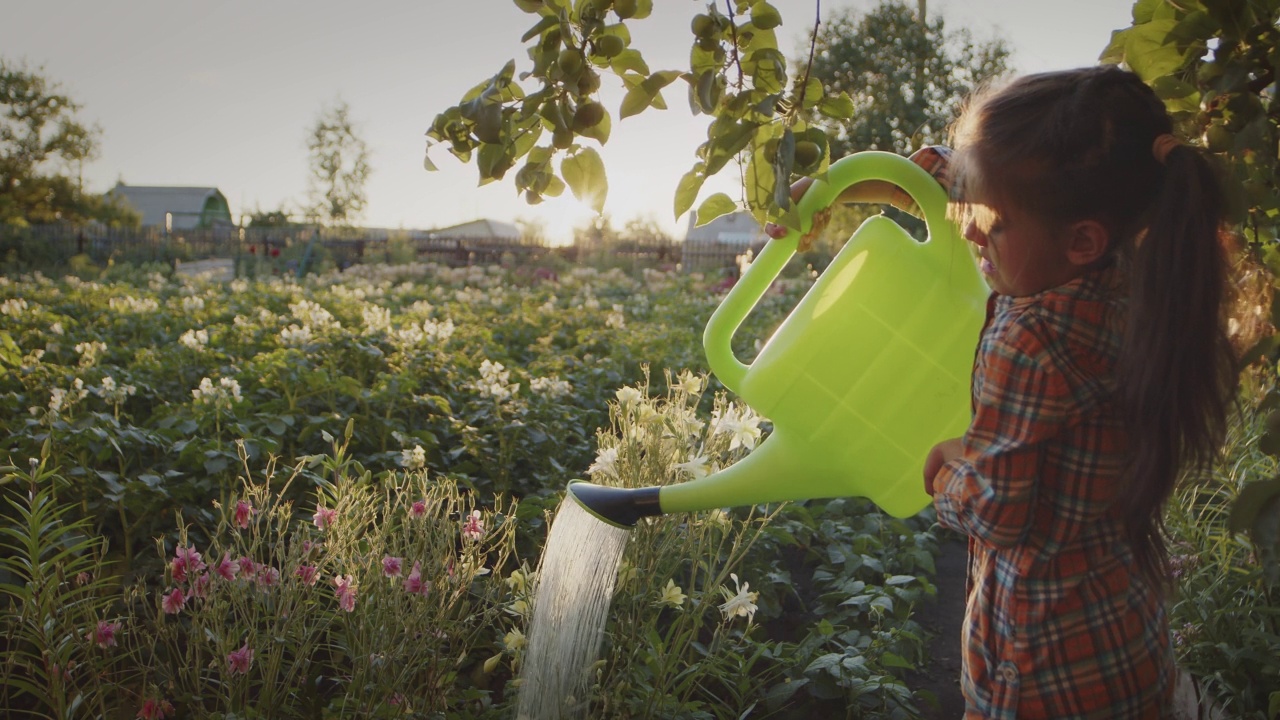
[(688, 382), (414, 458), (128, 303), (437, 332), (238, 286), (744, 429), (606, 463), (89, 352), (192, 304), (740, 603), (551, 387), (56, 328), (514, 640), (195, 339), (628, 396), (312, 314), (615, 319), (13, 307), (294, 336), (221, 396), (672, 595), (376, 319), (494, 381), (697, 467), (113, 392)]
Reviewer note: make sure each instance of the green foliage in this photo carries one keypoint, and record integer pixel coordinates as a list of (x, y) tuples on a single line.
[(40, 137), (906, 80), (1225, 619), (736, 74), (339, 161)]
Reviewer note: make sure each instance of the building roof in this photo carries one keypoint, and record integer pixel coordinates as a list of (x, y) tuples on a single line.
[(185, 205), (737, 228), (480, 229)]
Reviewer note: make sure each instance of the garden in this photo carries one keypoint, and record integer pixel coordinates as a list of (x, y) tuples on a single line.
[(328, 496)]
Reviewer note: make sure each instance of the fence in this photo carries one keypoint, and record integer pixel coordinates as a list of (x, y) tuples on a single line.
[(52, 247)]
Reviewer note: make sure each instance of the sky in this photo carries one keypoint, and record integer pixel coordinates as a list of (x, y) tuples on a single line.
[(224, 93)]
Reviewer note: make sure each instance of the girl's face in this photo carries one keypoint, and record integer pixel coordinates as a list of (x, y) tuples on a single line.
[(1020, 255)]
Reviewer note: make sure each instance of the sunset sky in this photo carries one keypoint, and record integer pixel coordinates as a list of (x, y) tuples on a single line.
[(223, 93)]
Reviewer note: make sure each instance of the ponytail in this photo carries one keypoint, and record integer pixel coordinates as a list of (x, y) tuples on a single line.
[(1177, 372)]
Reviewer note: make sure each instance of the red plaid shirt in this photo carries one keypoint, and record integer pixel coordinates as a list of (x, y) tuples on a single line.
[(1060, 623)]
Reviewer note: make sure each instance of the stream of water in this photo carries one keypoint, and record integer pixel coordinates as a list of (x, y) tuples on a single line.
[(576, 576)]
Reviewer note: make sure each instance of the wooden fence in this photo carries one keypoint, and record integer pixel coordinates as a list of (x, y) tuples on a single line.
[(53, 246)]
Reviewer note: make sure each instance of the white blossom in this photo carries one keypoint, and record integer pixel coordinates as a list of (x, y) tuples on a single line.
[(195, 339), (193, 303), (739, 603), (606, 463), (113, 392), (550, 387), (13, 307), (295, 336), (413, 458), (221, 396), (697, 467), (89, 352), (376, 319), (743, 429), (628, 396), (615, 319)]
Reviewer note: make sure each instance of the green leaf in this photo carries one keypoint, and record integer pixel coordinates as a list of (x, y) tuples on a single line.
[(427, 164), (585, 175), (900, 580), (1149, 53), (896, 661), (687, 190), (545, 23), (636, 101), (839, 107), (600, 131), (629, 60), (713, 207)]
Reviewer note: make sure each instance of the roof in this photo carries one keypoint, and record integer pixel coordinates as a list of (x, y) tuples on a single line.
[(186, 205), (480, 229), (737, 228)]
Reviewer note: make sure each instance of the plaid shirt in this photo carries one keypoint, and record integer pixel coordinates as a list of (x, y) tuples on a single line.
[(1059, 622)]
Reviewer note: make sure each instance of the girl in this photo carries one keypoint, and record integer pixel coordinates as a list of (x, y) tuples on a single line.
[(1102, 373)]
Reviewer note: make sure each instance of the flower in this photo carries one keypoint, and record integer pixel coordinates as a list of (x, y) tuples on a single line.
[(244, 512), (105, 634), (414, 583), (248, 568), (744, 429), (200, 588), (514, 640), (306, 573), (240, 660), (226, 568), (391, 566), (268, 577), (688, 382), (414, 458), (606, 463), (418, 509), (517, 581), (195, 339), (628, 396), (324, 517), (186, 560), (672, 595), (740, 603), (346, 591), (697, 467), (473, 526), (174, 601), (153, 709)]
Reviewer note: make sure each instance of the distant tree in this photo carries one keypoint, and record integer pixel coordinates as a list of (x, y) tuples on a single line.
[(596, 234), (41, 142), (279, 218), (533, 230), (907, 77), (339, 168), (644, 230)]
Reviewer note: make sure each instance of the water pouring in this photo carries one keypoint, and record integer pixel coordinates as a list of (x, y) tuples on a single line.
[(866, 373)]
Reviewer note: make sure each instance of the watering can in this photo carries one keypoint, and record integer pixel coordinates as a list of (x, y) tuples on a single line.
[(864, 376)]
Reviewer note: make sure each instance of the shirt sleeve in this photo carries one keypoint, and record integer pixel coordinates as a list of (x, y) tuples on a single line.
[(989, 492)]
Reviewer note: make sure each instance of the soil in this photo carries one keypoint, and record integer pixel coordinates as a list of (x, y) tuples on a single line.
[(943, 619)]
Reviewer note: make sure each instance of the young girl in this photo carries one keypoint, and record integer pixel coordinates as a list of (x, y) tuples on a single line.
[(1102, 373)]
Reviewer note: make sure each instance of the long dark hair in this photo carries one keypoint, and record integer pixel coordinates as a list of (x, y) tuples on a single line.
[(1076, 145)]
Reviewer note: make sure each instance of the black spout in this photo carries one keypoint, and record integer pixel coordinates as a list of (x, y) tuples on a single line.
[(622, 507)]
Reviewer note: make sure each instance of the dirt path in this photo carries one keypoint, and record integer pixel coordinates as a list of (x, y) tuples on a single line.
[(943, 618)]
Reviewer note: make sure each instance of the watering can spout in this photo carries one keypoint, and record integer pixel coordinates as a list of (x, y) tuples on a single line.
[(621, 507)]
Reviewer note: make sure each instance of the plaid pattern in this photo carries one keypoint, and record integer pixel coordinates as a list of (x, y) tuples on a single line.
[(1059, 622)]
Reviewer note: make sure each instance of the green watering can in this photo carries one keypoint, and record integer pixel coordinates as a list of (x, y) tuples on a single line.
[(868, 371)]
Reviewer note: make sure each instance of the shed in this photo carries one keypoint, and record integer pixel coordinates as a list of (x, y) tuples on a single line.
[(177, 208), (479, 229), (738, 229)]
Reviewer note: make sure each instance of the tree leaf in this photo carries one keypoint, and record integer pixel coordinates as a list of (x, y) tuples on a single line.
[(584, 173), (687, 190), (636, 101), (838, 107), (1149, 53), (713, 207)]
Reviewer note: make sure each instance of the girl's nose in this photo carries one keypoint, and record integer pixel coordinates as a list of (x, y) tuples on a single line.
[(974, 235)]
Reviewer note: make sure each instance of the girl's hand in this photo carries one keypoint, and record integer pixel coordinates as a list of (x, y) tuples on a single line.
[(818, 224), (939, 455)]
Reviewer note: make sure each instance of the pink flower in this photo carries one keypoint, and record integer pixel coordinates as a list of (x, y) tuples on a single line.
[(307, 574), (186, 561), (241, 659), (418, 509), (391, 566), (473, 527), (226, 569), (179, 568), (248, 568), (200, 588), (174, 601), (346, 591), (105, 634), (153, 709), (268, 577), (244, 513), (324, 517), (414, 583)]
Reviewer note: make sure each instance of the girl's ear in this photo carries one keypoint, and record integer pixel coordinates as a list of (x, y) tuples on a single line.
[(1087, 242)]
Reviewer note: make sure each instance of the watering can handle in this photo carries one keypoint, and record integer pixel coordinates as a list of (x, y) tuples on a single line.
[(755, 281)]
